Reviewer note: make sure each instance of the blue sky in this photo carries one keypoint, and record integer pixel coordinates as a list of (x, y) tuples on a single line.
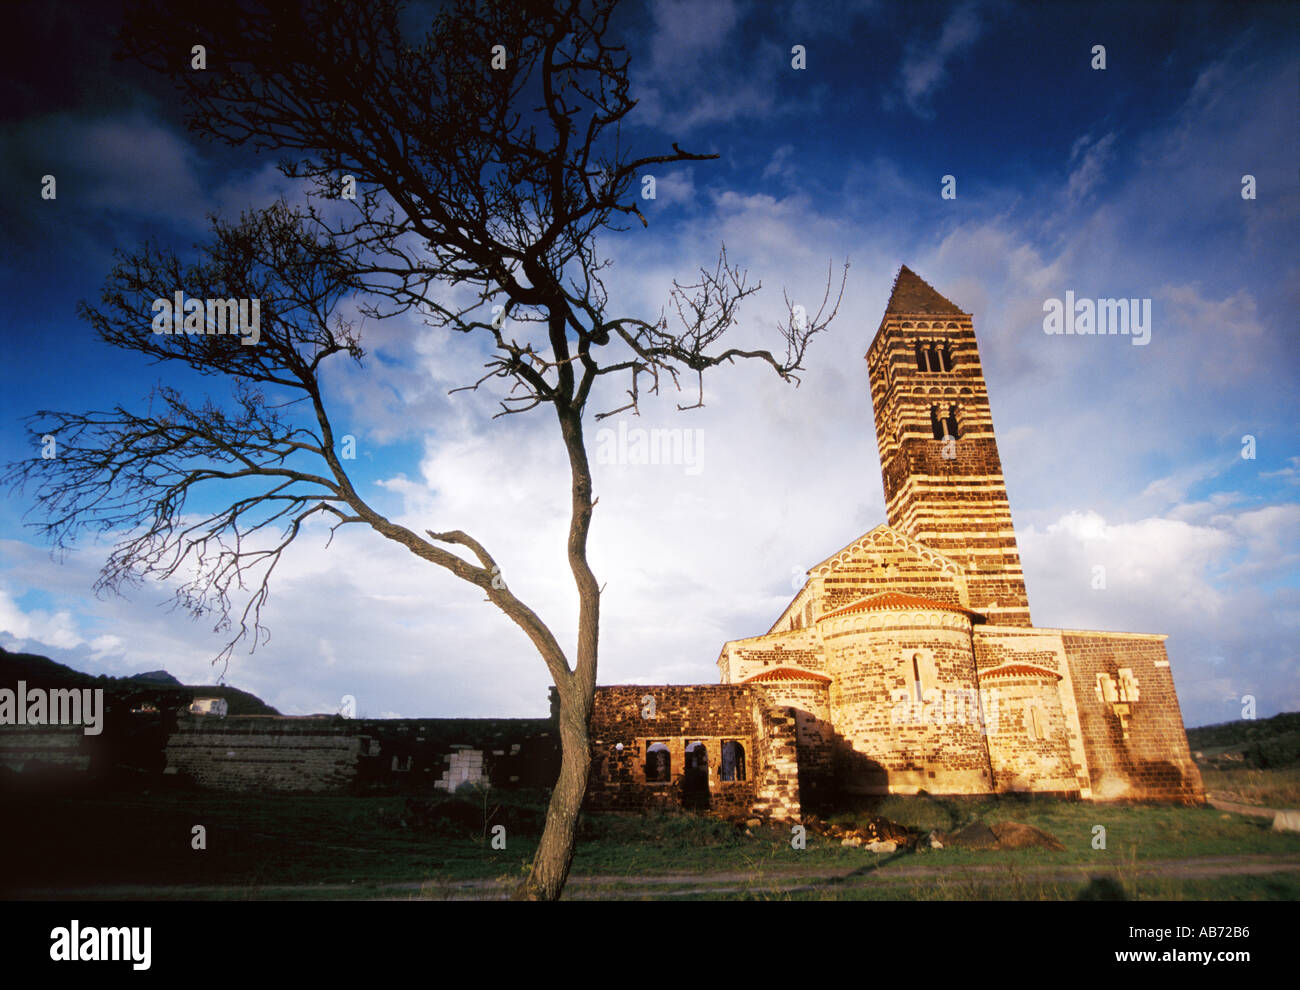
[(1117, 182)]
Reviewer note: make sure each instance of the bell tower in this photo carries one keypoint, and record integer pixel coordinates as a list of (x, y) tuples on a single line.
[(938, 455)]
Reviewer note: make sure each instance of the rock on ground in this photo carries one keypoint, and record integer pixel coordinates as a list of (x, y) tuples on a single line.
[(1286, 821), (976, 835), (1012, 835)]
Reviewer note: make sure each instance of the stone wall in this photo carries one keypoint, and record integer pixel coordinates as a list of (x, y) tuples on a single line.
[(447, 753), (1132, 727), (265, 753), (743, 658), (628, 719), (332, 754), (810, 704), (776, 738), (28, 748), (888, 740), (1034, 744)]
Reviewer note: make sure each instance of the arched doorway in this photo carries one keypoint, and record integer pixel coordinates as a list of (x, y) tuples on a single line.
[(695, 777)]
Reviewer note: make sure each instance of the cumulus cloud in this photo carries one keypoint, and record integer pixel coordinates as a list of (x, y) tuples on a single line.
[(1204, 584)]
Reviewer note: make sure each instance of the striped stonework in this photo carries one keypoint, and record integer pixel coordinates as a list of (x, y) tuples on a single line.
[(949, 494)]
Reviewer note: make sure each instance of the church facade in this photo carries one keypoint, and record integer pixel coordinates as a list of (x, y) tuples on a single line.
[(908, 660)]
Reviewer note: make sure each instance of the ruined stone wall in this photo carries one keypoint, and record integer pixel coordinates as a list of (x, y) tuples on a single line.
[(322, 754), (888, 740), (263, 753), (810, 704), (776, 793), (27, 748), (1132, 727), (448, 753), (680, 715)]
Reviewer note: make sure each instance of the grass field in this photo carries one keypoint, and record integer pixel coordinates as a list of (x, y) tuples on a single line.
[(258, 847), (1267, 788)]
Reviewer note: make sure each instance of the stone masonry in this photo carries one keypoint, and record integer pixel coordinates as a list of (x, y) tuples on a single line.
[(908, 661)]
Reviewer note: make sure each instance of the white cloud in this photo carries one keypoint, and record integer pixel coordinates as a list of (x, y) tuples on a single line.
[(55, 628), (1089, 170), (925, 64)]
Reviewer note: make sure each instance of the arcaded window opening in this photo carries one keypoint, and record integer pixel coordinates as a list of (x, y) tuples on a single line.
[(658, 764), (733, 760)]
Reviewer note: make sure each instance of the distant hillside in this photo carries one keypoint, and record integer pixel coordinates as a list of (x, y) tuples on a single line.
[(157, 677), (43, 672), (1263, 742)]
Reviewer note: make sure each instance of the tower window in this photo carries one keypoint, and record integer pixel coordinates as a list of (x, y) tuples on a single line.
[(950, 423), (933, 356), (936, 425)]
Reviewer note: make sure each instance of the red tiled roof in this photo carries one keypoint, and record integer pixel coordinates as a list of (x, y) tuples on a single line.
[(787, 674), (1018, 670), (895, 600)]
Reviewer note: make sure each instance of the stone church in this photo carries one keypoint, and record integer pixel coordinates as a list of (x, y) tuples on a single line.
[(908, 661)]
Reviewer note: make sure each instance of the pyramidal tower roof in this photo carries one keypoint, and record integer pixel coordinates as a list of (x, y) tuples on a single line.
[(912, 294)]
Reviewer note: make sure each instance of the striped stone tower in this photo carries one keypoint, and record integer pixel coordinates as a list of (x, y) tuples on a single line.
[(938, 455)]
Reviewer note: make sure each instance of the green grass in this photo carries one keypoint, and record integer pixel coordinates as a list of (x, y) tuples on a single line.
[(351, 846)]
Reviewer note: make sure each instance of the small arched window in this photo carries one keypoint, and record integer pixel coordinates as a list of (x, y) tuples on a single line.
[(936, 426), (733, 760), (946, 353), (916, 676), (920, 358), (658, 764)]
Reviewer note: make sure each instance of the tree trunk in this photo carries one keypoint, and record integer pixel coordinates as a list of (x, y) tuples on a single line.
[(554, 856)]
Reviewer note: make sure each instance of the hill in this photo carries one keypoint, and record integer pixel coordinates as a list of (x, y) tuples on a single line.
[(1264, 743), (39, 671)]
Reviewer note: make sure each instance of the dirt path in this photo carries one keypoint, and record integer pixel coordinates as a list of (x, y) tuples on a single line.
[(778, 881), (1241, 809)]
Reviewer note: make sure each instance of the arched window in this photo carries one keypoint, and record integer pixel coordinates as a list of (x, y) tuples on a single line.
[(950, 423), (920, 358), (916, 677), (947, 356), (658, 764), (935, 362), (935, 425), (733, 760)]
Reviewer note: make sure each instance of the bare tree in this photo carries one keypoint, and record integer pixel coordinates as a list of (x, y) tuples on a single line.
[(486, 157)]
